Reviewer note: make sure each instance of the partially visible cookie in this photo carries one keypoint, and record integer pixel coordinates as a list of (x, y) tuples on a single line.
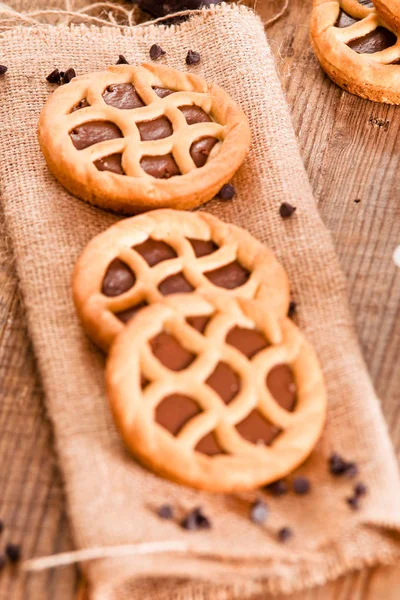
[(219, 395), (357, 49), (132, 139), (154, 257), (389, 11)]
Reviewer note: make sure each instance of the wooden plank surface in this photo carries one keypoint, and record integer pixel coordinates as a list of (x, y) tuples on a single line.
[(351, 150)]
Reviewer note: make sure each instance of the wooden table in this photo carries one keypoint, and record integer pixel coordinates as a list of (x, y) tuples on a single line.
[(351, 150)]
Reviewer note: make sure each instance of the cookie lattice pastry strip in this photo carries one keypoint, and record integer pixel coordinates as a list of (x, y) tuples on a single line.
[(152, 149), (236, 457), (357, 49)]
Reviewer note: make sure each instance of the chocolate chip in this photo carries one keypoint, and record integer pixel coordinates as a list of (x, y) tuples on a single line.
[(3, 69), (54, 77), (69, 75), (13, 552), (278, 488), (166, 512), (192, 58), (357, 200), (227, 192), (156, 52), (292, 309), (301, 485), (2, 561), (339, 466), (353, 502), (285, 534), (62, 74), (351, 469), (196, 519), (286, 210), (122, 60), (259, 512), (360, 489)]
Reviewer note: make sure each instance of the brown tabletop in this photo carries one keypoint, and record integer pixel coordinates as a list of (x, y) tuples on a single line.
[(351, 149)]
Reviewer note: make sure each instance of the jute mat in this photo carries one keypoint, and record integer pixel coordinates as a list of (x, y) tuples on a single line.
[(111, 499)]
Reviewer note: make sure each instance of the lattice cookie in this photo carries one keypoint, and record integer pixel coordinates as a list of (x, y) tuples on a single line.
[(357, 49), (135, 138), (201, 396), (152, 257)]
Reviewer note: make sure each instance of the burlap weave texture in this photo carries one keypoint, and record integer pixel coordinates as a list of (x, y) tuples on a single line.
[(111, 499)]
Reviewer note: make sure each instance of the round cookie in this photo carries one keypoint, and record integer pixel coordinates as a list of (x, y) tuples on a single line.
[(218, 395), (154, 257), (357, 49), (132, 139)]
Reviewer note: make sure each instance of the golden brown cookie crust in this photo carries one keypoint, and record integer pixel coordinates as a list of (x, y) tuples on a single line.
[(389, 11), (268, 280), (138, 191), (370, 76), (244, 465)]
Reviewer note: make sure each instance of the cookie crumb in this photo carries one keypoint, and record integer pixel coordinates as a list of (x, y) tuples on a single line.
[(54, 77), (156, 52), (284, 534), (301, 485), (227, 192), (195, 520), (259, 512), (166, 512), (292, 309), (69, 75), (122, 60), (13, 552), (3, 69), (192, 58), (278, 488), (360, 489), (286, 210), (353, 502), (357, 200)]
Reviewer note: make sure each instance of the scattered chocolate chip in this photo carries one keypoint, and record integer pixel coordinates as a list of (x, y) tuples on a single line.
[(156, 52), (301, 485), (292, 309), (166, 512), (2, 562), (3, 69), (259, 512), (196, 519), (68, 75), (122, 60), (278, 488), (192, 58), (54, 77), (360, 489), (351, 469), (227, 192), (285, 534), (13, 552), (286, 210), (357, 200), (353, 502), (339, 466)]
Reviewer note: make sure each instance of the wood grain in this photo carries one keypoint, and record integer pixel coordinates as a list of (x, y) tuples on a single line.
[(351, 150)]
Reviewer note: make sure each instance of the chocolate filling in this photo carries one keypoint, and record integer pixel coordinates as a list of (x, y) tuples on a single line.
[(344, 19), (157, 129), (281, 384), (209, 445), (175, 411), (257, 430), (82, 104), (122, 95), (375, 41), (127, 314), (175, 284), (154, 251), (170, 352), (225, 381), (118, 279), (198, 323), (248, 341), (94, 132), (230, 276), (162, 92), (111, 163), (161, 167), (202, 247), (194, 114), (200, 150), (143, 382)]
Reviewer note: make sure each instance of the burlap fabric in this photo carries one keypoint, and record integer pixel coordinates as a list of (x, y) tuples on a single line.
[(111, 499)]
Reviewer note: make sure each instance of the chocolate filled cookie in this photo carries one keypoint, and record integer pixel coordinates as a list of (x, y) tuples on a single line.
[(215, 392), (165, 256), (137, 138), (357, 49)]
